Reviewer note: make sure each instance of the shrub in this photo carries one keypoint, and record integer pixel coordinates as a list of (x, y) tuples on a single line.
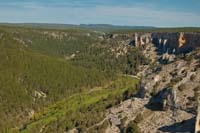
[(132, 128)]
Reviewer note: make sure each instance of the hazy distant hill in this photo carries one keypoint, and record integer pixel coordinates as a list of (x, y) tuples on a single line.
[(98, 27), (107, 27)]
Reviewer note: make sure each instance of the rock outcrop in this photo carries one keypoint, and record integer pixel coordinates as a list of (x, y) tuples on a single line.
[(176, 43), (165, 42), (197, 125), (164, 100), (166, 94)]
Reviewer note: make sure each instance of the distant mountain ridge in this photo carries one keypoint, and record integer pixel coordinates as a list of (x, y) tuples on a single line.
[(98, 27), (114, 27)]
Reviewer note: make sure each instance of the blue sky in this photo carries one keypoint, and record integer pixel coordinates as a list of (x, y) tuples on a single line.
[(160, 13)]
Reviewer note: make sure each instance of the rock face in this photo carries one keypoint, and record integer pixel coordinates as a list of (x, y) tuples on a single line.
[(168, 45), (181, 40), (142, 39), (197, 125), (176, 42), (165, 42)]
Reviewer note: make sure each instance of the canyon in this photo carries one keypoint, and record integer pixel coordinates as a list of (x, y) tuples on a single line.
[(136, 81)]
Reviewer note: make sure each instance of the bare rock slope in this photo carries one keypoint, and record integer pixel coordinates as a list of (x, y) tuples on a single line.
[(168, 99)]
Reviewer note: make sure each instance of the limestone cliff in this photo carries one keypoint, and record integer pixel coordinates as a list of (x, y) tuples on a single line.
[(176, 42), (171, 42)]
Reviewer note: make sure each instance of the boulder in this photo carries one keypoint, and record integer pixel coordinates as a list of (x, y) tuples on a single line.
[(163, 100)]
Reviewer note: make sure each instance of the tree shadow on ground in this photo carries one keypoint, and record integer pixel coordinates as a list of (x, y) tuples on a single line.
[(186, 126)]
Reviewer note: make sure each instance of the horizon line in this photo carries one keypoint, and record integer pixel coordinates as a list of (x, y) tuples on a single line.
[(119, 25)]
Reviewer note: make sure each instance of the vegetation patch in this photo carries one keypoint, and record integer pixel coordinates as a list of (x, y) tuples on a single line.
[(78, 108)]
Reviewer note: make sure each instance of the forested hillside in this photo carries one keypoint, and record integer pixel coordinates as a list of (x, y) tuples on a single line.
[(42, 67), (30, 80)]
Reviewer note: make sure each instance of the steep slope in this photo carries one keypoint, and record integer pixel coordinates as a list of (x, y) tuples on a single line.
[(169, 91), (75, 112), (30, 80)]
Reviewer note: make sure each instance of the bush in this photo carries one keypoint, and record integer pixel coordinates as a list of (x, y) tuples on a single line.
[(132, 128)]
